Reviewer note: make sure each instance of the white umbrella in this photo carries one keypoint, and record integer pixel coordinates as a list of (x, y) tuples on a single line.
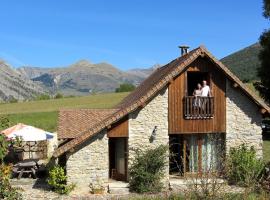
[(30, 133)]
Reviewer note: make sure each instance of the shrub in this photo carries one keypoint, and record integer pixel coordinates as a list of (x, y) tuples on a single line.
[(3, 148), (243, 167), (4, 122), (125, 87), (57, 180), (13, 100), (58, 96), (147, 170), (6, 190), (43, 97)]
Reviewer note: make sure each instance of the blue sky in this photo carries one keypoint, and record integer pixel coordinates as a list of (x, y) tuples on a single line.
[(127, 34)]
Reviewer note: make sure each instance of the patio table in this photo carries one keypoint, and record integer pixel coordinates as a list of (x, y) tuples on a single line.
[(27, 166)]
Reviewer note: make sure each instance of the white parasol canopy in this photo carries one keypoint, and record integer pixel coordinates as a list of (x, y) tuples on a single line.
[(30, 133)]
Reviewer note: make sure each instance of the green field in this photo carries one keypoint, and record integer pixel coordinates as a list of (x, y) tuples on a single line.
[(43, 114), (266, 150)]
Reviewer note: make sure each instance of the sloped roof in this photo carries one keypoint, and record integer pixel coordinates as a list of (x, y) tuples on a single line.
[(72, 122), (150, 87)]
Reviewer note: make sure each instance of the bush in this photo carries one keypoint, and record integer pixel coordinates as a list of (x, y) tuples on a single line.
[(13, 100), (147, 170), (58, 96), (4, 122), (6, 190), (57, 180), (3, 148), (43, 97), (125, 87), (243, 167)]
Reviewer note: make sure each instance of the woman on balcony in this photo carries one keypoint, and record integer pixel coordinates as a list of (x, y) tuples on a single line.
[(197, 93)]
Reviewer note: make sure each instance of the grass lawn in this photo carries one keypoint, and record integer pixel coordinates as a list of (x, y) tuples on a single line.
[(44, 120), (266, 150), (43, 114), (107, 100)]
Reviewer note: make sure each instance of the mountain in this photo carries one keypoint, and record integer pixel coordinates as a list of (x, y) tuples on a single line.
[(83, 77), (14, 85), (244, 63), (144, 73)]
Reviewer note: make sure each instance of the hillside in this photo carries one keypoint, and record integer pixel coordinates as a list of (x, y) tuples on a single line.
[(83, 77), (244, 63), (13, 85)]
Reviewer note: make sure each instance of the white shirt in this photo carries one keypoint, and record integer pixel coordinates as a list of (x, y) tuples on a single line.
[(205, 91)]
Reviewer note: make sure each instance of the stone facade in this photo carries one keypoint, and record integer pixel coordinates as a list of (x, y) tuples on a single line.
[(142, 123), (89, 163), (243, 120)]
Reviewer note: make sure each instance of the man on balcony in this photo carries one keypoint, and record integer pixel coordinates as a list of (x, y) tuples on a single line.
[(206, 92), (206, 103)]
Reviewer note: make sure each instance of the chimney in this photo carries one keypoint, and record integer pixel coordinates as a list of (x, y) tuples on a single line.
[(184, 49)]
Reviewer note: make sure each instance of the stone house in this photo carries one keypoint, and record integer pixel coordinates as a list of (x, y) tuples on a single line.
[(98, 144)]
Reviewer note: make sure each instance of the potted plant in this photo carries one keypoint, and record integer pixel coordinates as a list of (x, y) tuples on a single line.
[(97, 187)]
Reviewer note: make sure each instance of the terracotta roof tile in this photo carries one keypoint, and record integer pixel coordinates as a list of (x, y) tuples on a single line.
[(72, 122)]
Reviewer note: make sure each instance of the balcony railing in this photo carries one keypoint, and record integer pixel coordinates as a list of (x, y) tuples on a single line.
[(198, 107)]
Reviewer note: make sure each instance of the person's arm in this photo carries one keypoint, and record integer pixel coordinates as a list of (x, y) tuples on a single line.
[(194, 93)]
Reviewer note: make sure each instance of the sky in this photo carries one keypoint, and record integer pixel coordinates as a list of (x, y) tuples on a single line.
[(126, 33)]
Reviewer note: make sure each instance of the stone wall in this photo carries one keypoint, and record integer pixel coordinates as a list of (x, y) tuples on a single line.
[(243, 120), (142, 123), (89, 163)]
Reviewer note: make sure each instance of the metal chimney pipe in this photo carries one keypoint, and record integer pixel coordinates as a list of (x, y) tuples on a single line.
[(184, 49)]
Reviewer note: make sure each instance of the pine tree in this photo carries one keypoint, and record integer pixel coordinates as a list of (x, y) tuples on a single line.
[(264, 55)]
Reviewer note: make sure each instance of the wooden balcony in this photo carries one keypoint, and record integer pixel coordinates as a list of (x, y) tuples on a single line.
[(198, 107)]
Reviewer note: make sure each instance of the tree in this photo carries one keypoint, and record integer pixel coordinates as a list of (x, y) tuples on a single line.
[(125, 87), (264, 55)]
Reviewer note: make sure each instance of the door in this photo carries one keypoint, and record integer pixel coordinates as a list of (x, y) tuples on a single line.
[(118, 158)]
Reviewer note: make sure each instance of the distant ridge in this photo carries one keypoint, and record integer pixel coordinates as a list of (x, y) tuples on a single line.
[(84, 77), (14, 85), (244, 63)]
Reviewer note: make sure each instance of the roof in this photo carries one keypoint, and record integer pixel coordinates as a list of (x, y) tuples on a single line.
[(150, 87), (72, 122)]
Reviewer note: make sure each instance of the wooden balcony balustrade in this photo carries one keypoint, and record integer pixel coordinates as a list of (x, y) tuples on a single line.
[(198, 107)]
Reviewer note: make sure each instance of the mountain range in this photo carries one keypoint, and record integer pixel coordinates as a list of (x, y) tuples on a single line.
[(14, 85), (84, 77)]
